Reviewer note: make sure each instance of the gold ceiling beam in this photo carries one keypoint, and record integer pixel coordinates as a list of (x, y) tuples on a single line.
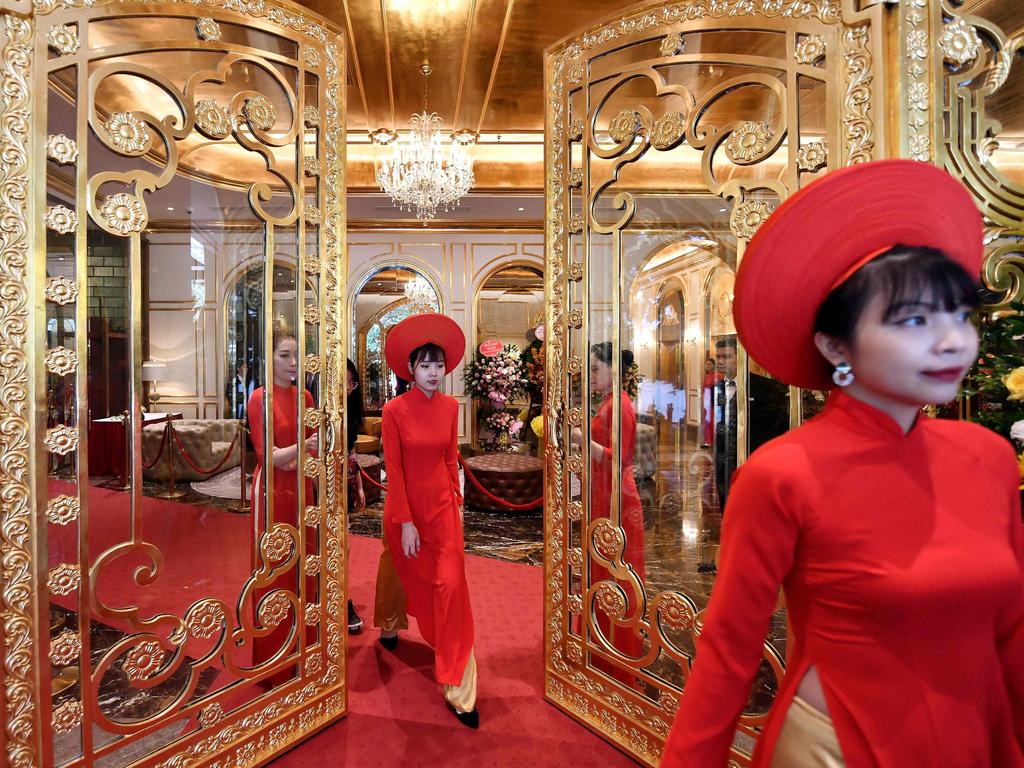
[(470, 15), (497, 61)]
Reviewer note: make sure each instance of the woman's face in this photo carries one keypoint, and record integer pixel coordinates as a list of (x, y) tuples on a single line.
[(709, 365), (916, 356), (600, 375), (286, 362), (428, 375), (351, 383)]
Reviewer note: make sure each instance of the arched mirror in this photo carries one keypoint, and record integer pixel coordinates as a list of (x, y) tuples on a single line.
[(388, 296)]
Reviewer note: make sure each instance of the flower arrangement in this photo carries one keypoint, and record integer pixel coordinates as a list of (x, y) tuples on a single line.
[(533, 368), (497, 379), (631, 381), (503, 427)]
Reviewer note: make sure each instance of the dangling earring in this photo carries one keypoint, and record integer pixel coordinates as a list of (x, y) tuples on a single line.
[(843, 375)]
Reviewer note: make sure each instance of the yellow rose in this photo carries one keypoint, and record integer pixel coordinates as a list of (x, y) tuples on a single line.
[(1014, 383), (1020, 464), (537, 425)]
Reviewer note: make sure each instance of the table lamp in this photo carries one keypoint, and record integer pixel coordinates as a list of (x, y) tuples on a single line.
[(152, 371)]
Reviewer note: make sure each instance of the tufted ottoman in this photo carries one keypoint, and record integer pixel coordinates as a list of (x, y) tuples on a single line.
[(370, 465), (513, 477)]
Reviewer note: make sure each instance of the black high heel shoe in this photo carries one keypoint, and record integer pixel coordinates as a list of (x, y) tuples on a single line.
[(468, 719), (390, 643)]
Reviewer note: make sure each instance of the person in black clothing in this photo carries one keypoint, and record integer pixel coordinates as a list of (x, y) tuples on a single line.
[(353, 423), (238, 391)]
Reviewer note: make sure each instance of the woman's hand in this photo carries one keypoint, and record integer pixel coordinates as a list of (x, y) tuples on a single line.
[(313, 445), (410, 540), (576, 436)]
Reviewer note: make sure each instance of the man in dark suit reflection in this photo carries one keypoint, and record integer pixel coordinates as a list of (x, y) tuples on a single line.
[(724, 413), (238, 391)]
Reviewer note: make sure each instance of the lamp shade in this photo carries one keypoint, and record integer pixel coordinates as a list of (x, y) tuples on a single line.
[(152, 370)]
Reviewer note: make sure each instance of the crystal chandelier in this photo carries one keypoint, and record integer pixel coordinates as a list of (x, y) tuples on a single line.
[(420, 295), (421, 175)]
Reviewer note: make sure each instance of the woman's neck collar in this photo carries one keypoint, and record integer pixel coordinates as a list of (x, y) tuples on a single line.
[(428, 395), (897, 419), (288, 385)]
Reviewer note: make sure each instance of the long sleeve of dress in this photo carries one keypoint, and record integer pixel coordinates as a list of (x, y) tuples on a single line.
[(451, 456), (1011, 628), (398, 498), (254, 410), (758, 542)]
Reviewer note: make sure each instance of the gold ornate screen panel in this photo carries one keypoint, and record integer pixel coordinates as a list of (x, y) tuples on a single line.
[(672, 131), (162, 162)]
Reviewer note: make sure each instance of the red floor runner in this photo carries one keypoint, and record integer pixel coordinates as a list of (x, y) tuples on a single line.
[(397, 716)]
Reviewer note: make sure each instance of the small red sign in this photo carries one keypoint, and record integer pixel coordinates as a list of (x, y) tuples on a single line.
[(539, 333), (491, 347)]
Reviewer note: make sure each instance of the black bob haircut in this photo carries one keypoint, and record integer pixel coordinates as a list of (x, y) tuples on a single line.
[(603, 352), (903, 274), (426, 353)]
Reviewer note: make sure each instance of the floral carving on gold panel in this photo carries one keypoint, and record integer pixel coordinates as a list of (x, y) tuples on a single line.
[(575, 72), (127, 133), (212, 119), (960, 42), (63, 579), (61, 149), (312, 363), (208, 29), (205, 620), (63, 39), (810, 49), (576, 416), (608, 539), (61, 361), (576, 318), (672, 44), (67, 716), (920, 147), (748, 141), (211, 715), (917, 96), (312, 565), (312, 264), (61, 290), (609, 600), (65, 648), (747, 217), (575, 604), (311, 517), (576, 557), (313, 664), (61, 439), (274, 609), (311, 117), (576, 464), (575, 366), (668, 130), (312, 418), (574, 650), (62, 510), (124, 213), (917, 44), (813, 156), (311, 166), (278, 544), (61, 219), (311, 468), (311, 314), (576, 178), (143, 661), (312, 614), (576, 130), (311, 57), (259, 112), (312, 215), (674, 612), (576, 271), (625, 125), (576, 223)]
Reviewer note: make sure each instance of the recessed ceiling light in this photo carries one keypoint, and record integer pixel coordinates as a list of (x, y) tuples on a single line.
[(170, 207), (722, 210), (520, 209)]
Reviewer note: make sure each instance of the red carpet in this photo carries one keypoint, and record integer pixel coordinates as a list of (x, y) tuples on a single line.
[(397, 716)]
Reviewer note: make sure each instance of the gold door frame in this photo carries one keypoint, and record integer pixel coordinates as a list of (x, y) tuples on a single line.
[(262, 728), (848, 44)]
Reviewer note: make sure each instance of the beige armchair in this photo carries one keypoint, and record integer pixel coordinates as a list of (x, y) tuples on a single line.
[(205, 440)]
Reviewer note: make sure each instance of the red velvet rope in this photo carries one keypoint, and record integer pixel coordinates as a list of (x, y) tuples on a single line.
[(476, 484), (163, 444), (192, 464)]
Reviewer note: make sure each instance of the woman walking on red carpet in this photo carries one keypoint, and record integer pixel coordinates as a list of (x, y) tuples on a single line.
[(897, 537), (284, 461), (423, 508)]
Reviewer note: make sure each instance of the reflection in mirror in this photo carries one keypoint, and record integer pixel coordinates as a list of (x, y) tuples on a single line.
[(388, 296)]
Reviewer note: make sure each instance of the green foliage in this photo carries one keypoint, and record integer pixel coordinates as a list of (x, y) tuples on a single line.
[(1001, 352)]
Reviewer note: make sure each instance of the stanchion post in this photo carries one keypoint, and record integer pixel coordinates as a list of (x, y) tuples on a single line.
[(242, 505), (171, 492), (125, 483)]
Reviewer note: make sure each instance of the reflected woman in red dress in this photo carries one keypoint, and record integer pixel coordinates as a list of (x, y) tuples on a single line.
[(631, 515), (896, 537), (284, 458), (423, 508)]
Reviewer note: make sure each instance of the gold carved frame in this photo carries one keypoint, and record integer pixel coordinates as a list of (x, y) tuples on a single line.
[(836, 43), (263, 727)]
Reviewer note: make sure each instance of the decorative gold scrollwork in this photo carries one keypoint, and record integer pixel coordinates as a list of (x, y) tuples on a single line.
[(212, 119), (63, 39), (311, 58), (61, 439), (61, 361), (259, 112), (313, 418), (210, 715), (65, 648), (67, 716), (312, 614), (610, 600), (143, 661), (312, 216), (61, 219), (575, 131), (207, 29), (959, 42), (311, 517), (61, 149), (127, 134), (62, 510), (311, 117), (811, 157), (810, 49), (747, 217), (63, 579), (311, 166), (669, 130), (575, 271), (625, 126), (61, 290), (576, 511), (311, 467), (312, 264), (312, 363), (274, 609), (277, 544), (672, 44), (312, 565), (123, 214), (748, 141), (608, 540), (576, 224), (205, 619), (314, 664), (575, 73), (576, 178)]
